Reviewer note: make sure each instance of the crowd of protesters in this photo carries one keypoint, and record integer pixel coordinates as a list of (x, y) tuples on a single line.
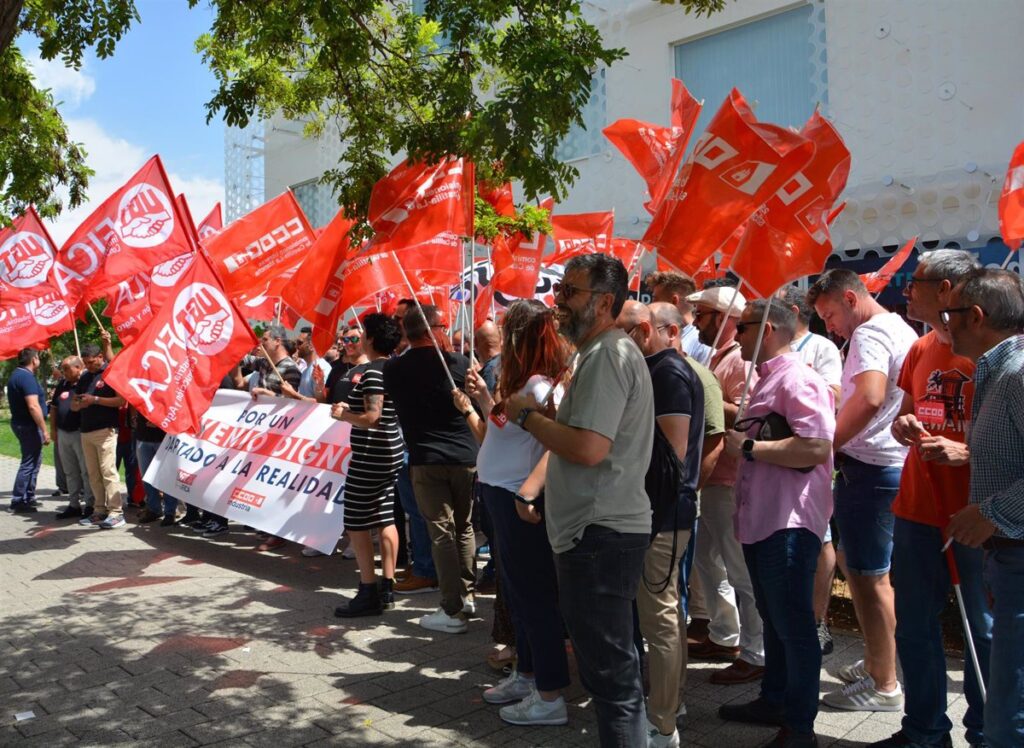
[(656, 483)]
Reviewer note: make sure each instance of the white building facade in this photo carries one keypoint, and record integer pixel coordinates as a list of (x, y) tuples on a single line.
[(926, 94)]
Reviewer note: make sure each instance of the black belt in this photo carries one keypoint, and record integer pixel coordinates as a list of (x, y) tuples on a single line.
[(998, 543)]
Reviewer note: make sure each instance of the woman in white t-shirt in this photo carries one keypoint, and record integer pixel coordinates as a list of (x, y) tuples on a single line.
[(511, 466)]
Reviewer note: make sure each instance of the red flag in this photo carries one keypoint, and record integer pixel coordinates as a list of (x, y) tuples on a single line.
[(133, 230), (788, 237), (26, 259), (186, 218), (258, 252), (30, 323), (1011, 202), (499, 198), (580, 234), (482, 305), (367, 275), (132, 319), (211, 225), (879, 279), (629, 252), (734, 168), (171, 372), (417, 202), (656, 151), (517, 261), (436, 262), (260, 307), (315, 289)]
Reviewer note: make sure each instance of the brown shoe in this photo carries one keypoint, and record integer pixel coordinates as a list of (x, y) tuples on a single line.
[(740, 671), (708, 650), (403, 573), (697, 631), (270, 544), (414, 585)]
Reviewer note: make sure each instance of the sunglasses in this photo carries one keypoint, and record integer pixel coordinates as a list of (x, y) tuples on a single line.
[(741, 326), (350, 339), (944, 315), (914, 281), (568, 290)]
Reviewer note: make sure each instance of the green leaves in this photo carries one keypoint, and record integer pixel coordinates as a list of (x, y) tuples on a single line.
[(491, 80)]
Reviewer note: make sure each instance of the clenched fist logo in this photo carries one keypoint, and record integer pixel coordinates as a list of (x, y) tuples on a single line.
[(168, 273), (145, 217), (202, 318), (25, 260)]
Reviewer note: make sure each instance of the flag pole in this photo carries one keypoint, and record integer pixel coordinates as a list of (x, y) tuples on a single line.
[(753, 359), (423, 316), (954, 575), (74, 329), (472, 307), (271, 362), (95, 316)]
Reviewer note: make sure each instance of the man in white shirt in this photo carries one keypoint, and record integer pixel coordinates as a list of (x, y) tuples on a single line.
[(672, 288), (869, 460)]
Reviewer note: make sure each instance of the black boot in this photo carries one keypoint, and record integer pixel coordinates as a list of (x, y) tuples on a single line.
[(387, 594), (366, 603)]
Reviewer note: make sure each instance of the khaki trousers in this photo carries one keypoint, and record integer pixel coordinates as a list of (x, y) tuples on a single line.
[(444, 495), (658, 606), (100, 451)]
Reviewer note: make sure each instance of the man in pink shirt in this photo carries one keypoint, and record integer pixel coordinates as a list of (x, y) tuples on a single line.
[(734, 632), (783, 503)]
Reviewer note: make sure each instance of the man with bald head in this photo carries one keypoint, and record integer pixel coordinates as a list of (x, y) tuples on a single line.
[(64, 433), (487, 340), (679, 419)]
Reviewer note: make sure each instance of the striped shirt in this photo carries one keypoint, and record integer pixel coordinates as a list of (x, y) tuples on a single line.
[(381, 446), (996, 437)]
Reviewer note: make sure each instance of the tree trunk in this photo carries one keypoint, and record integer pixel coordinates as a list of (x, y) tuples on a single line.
[(10, 11)]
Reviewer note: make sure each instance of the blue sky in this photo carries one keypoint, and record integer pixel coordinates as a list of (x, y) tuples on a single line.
[(148, 98)]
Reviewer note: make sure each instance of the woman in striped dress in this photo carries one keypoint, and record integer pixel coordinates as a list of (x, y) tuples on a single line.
[(377, 455)]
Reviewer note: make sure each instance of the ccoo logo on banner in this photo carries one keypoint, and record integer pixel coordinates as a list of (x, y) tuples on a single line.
[(274, 464)]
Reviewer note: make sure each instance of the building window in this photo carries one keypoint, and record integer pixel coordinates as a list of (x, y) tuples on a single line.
[(317, 202), (588, 141), (771, 61)]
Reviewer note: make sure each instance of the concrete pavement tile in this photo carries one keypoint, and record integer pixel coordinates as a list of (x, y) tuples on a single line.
[(408, 699), (46, 739), (82, 680), (228, 705), (75, 720), (104, 736), (285, 737), (167, 740), (222, 729), (146, 726)]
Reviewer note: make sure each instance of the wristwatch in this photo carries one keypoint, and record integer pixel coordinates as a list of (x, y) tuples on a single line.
[(747, 448), (523, 415), (523, 500)]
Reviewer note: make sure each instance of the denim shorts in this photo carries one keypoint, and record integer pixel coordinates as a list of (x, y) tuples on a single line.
[(863, 513)]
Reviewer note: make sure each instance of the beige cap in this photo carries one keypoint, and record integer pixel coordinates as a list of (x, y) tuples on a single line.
[(720, 298)]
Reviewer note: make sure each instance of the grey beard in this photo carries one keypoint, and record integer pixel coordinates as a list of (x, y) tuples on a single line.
[(580, 323)]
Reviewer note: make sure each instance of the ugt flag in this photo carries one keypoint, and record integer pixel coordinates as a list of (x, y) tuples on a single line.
[(172, 370), (26, 260), (134, 229)]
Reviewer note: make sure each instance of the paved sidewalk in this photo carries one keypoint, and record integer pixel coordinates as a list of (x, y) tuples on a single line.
[(154, 636)]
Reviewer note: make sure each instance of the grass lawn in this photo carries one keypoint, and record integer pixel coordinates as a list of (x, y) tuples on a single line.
[(9, 442)]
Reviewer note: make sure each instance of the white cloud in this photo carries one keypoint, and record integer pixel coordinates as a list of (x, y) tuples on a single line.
[(68, 85), (114, 160)]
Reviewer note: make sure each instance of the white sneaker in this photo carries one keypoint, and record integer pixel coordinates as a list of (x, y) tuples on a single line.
[(533, 710), (656, 740), (311, 552), (513, 688), (469, 606), (862, 696), (852, 673), (446, 624)]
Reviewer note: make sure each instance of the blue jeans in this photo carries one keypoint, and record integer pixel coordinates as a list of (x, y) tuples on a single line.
[(863, 511), (782, 568), (145, 451), (685, 570), (422, 560), (528, 583), (1004, 710), (126, 454), (921, 582), (31, 441), (597, 582)]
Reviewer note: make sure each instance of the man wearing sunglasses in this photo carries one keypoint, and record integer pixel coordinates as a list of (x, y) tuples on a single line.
[(734, 632), (783, 504), (985, 319), (598, 513), (937, 389)]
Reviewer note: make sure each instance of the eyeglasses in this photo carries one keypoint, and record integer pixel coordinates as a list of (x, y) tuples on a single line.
[(913, 281), (659, 328), (568, 290), (701, 313), (350, 339), (944, 315)]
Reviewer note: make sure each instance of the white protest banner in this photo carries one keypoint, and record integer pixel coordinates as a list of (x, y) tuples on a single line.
[(275, 464)]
